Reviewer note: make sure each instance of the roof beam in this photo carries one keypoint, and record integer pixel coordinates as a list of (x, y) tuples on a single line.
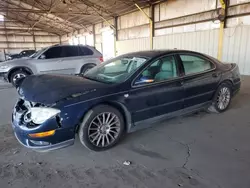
[(16, 29), (97, 7), (19, 19), (52, 17), (40, 17), (99, 10), (3, 9), (46, 18)]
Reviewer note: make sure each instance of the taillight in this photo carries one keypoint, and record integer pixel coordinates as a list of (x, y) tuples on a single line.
[(101, 59)]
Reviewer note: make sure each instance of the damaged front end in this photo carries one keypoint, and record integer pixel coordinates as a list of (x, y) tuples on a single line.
[(31, 114), (44, 117), (39, 127)]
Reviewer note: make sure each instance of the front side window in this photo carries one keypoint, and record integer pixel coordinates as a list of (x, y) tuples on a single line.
[(23, 52), (38, 53), (160, 70), (115, 70), (54, 52), (194, 64)]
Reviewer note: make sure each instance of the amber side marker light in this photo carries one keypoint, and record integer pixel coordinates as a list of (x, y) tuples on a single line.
[(42, 134)]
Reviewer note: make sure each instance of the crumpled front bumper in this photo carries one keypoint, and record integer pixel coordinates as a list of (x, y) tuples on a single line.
[(27, 143), (62, 137)]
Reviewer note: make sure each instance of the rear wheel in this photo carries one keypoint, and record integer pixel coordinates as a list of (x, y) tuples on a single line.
[(17, 75), (102, 128), (85, 68), (222, 98)]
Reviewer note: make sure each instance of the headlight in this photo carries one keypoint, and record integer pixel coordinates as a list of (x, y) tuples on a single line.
[(4, 67), (40, 114)]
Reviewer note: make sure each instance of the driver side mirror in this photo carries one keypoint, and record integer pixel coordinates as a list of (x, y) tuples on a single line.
[(42, 56), (143, 80)]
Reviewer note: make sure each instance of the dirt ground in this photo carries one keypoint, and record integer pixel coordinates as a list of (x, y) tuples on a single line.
[(201, 151)]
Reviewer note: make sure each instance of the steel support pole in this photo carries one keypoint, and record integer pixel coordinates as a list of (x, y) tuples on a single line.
[(221, 33)]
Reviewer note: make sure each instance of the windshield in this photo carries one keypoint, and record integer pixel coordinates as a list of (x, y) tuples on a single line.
[(38, 53), (115, 70)]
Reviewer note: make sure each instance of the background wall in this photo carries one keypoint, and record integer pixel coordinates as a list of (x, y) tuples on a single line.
[(183, 24), (15, 37)]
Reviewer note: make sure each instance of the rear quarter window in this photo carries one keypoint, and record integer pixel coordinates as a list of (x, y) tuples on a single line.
[(84, 51), (193, 64)]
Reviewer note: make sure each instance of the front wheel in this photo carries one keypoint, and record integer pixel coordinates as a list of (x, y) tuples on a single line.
[(222, 98), (102, 128), (17, 75)]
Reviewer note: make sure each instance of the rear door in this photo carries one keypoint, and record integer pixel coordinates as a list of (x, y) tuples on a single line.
[(156, 91), (76, 57), (200, 79), (70, 59)]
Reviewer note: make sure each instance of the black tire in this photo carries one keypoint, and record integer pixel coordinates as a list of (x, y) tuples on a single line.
[(85, 68), (14, 75), (215, 107), (84, 132)]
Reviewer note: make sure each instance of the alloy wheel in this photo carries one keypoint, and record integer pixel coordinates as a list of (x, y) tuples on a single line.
[(104, 129), (18, 76), (223, 98)]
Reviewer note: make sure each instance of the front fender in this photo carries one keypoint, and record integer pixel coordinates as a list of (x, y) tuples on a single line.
[(18, 68)]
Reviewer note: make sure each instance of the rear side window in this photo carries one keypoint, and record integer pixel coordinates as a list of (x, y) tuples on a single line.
[(54, 52), (83, 51), (69, 51), (193, 64)]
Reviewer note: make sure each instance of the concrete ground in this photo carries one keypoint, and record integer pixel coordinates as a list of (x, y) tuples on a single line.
[(202, 151)]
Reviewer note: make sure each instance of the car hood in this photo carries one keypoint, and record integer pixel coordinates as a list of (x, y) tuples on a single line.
[(14, 55), (15, 62), (50, 89)]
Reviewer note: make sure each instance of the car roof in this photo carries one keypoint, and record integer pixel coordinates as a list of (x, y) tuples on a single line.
[(28, 50), (156, 53), (71, 45)]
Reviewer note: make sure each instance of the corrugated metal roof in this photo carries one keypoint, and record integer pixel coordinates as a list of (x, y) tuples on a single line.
[(63, 16)]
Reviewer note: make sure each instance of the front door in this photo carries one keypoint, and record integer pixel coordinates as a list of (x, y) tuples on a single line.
[(49, 61), (156, 91), (200, 79)]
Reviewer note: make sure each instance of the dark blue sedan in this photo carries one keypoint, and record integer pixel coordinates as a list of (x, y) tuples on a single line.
[(122, 95)]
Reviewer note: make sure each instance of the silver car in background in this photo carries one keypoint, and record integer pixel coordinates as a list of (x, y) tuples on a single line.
[(58, 59)]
